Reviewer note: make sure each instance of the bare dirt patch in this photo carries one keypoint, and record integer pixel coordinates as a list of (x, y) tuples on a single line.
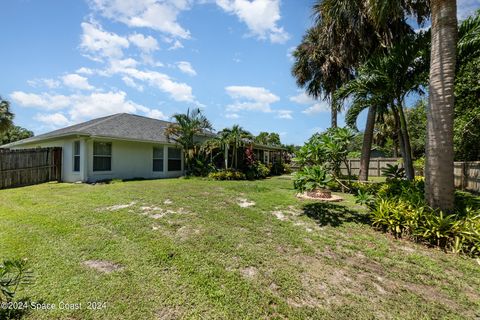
[(102, 266), (249, 272), (118, 207), (333, 198), (169, 313), (244, 203), (167, 201)]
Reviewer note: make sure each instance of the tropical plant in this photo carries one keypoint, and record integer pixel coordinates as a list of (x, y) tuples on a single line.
[(319, 68), (6, 116), (268, 139), (186, 130), (13, 274), (364, 198), (227, 174), (393, 172), (14, 133), (236, 137), (311, 178)]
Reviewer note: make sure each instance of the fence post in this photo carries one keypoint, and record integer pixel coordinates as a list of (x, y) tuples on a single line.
[(462, 176)]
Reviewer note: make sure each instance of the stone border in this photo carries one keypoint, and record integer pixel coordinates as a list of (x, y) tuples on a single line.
[(334, 198)]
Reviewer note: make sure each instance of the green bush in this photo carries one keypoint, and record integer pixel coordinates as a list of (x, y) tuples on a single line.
[(400, 209), (311, 178), (13, 273), (394, 172), (228, 174), (257, 171)]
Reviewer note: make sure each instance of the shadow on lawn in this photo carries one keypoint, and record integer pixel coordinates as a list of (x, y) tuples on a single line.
[(328, 214)]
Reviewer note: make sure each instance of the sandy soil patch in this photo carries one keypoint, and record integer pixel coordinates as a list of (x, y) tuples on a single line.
[(244, 203), (334, 198), (102, 266), (249, 272), (118, 207)]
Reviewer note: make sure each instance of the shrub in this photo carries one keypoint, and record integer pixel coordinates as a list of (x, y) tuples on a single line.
[(393, 172), (13, 273), (257, 170), (228, 174), (311, 178)]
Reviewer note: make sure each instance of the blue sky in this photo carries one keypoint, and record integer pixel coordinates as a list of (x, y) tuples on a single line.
[(65, 62)]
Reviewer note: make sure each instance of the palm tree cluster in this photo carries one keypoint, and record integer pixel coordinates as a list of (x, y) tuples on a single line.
[(368, 52), (6, 117)]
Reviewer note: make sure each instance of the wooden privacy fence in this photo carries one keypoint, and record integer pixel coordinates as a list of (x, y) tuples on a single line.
[(467, 175), (29, 166), (374, 169)]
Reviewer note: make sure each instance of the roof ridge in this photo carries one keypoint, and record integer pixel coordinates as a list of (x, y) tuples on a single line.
[(149, 118), (100, 120)]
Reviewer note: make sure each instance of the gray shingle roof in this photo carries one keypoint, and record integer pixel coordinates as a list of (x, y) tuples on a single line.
[(121, 125)]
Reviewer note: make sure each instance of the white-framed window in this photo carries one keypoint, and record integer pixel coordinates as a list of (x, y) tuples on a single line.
[(76, 156), (157, 159), (174, 159), (102, 156)]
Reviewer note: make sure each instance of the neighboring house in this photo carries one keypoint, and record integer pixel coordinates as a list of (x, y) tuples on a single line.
[(120, 146)]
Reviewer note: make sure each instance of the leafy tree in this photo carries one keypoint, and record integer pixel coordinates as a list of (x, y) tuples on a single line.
[(417, 124), (237, 137), (467, 91), (185, 131), (268, 139), (6, 116), (15, 133)]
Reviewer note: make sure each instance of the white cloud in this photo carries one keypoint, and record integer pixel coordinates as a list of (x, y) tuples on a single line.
[(232, 116), (285, 114), (315, 106), (247, 98), (146, 44), (84, 70), (156, 114), (176, 45), (75, 81), (159, 15), (44, 100), (186, 68), (53, 120), (80, 107), (260, 16), (44, 82), (131, 83), (99, 44)]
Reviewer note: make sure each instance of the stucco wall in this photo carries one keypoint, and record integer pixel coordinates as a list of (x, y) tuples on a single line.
[(129, 160)]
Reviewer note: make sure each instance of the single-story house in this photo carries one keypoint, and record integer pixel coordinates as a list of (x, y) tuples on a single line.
[(119, 146)]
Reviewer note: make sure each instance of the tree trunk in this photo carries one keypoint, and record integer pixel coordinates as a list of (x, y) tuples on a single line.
[(225, 155), (367, 144), (439, 184), (408, 162), (398, 130), (334, 111)]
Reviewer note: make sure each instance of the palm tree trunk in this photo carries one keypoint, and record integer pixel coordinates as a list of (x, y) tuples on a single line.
[(408, 162), (400, 140), (439, 183), (367, 144), (334, 111), (225, 155)]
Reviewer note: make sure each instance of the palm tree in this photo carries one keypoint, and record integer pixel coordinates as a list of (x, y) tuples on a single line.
[(185, 129), (220, 141), (319, 68), (439, 183), (6, 117), (384, 81), (237, 137)]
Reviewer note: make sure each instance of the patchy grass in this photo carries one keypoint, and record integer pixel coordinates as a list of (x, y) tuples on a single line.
[(170, 249)]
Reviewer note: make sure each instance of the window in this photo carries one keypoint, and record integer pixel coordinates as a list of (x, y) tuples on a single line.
[(158, 159), (102, 156), (76, 156), (174, 159)]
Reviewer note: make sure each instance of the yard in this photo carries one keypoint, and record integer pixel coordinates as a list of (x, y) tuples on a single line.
[(191, 248)]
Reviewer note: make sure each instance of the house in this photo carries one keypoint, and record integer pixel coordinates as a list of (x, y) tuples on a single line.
[(120, 146)]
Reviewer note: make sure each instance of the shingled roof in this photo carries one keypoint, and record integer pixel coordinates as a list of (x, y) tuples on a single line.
[(120, 126)]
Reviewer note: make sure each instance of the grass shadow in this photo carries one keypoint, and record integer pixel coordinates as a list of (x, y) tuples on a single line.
[(19, 309), (329, 214)]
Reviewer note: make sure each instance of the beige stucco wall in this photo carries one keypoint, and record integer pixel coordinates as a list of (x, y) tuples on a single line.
[(129, 159)]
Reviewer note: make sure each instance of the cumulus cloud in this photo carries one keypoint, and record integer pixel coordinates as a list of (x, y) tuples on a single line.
[(75, 81), (146, 44), (44, 100), (44, 82), (98, 43), (131, 83), (159, 15), (186, 68), (54, 120), (285, 114), (156, 114), (314, 106), (260, 16)]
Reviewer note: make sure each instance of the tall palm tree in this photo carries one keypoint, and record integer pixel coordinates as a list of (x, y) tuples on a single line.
[(237, 137), (220, 141), (319, 68), (6, 117), (186, 128), (439, 183)]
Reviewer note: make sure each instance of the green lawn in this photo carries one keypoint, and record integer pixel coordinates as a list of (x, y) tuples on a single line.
[(188, 249)]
